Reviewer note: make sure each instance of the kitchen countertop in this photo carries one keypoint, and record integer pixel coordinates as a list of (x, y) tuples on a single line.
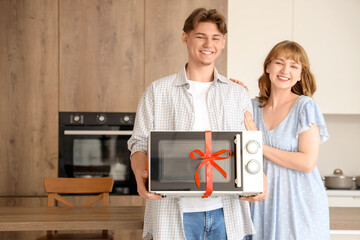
[(344, 218), (343, 193)]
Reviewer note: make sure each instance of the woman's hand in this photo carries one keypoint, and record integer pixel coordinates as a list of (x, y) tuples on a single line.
[(249, 122), (239, 82)]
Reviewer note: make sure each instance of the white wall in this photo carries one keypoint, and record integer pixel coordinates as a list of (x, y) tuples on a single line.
[(329, 30), (342, 150), (250, 37)]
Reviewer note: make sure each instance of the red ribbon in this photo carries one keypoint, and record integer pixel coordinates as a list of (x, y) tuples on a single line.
[(209, 158)]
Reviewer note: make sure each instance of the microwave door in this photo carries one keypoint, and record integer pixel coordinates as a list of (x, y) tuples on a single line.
[(176, 165), (173, 170)]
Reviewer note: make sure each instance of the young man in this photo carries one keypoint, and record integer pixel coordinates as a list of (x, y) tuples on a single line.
[(197, 98)]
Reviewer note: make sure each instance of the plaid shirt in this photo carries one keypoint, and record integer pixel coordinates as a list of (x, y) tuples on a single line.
[(167, 105)]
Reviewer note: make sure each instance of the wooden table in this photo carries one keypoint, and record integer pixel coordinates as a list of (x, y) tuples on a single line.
[(344, 218), (71, 218)]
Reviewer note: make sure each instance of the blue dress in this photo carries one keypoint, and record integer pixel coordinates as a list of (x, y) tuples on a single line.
[(296, 205)]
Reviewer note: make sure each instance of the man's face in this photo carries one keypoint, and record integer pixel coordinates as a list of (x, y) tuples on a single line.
[(204, 43)]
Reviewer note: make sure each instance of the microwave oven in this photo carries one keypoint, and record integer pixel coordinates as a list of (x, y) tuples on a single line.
[(175, 163)]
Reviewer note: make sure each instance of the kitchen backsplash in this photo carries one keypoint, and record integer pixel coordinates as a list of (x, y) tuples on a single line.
[(342, 150)]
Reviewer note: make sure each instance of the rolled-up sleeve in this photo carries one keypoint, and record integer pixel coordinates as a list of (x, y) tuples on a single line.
[(248, 103), (144, 122)]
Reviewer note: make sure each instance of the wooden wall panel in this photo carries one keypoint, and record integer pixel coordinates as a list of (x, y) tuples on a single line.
[(165, 53), (28, 95), (101, 55)]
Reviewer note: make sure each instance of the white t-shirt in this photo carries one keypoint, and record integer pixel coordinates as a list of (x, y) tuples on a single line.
[(199, 92)]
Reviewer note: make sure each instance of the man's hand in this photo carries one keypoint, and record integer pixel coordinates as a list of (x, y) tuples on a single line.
[(138, 165), (259, 197)]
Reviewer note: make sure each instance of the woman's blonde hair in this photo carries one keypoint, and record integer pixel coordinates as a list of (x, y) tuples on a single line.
[(294, 51)]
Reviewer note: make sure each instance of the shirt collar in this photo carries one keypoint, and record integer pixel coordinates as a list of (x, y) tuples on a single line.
[(181, 78)]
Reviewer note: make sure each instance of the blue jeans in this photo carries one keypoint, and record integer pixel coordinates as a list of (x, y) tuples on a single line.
[(208, 225)]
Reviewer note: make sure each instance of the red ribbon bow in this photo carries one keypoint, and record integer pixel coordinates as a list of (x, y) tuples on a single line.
[(209, 158)]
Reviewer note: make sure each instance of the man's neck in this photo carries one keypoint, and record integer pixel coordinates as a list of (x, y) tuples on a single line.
[(200, 73)]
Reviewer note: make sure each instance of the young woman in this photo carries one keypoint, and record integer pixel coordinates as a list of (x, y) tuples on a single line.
[(296, 206)]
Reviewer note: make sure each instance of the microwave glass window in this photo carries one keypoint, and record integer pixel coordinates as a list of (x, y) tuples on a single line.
[(171, 152)]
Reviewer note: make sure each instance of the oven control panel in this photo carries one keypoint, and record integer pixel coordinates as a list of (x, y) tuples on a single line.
[(96, 118)]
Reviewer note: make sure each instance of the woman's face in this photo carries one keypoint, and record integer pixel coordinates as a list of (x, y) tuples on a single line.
[(283, 73)]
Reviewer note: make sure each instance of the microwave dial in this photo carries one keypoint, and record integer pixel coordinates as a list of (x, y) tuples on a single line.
[(101, 118), (252, 147), (253, 166)]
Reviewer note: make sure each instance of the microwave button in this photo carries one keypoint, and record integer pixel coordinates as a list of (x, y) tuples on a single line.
[(253, 166), (252, 147)]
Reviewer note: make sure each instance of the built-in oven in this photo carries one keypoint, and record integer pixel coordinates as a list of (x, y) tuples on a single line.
[(95, 145), (205, 163)]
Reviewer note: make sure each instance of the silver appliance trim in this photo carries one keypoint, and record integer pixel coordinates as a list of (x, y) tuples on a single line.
[(197, 193), (238, 164), (97, 132)]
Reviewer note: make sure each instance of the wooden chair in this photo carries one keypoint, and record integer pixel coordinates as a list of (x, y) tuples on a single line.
[(56, 186)]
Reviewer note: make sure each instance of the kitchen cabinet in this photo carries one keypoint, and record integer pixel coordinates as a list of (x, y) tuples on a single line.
[(77, 55), (344, 205), (254, 28), (344, 198), (101, 48), (344, 223), (165, 54), (107, 59), (330, 33), (344, 234), (28, 95), (328, 30)]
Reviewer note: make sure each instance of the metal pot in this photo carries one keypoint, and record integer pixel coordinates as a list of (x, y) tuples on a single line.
[(357, 180), (339, 181)]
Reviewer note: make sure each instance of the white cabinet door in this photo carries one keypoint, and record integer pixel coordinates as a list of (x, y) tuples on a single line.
[(254, 28), (329, 30), (344, 234)]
